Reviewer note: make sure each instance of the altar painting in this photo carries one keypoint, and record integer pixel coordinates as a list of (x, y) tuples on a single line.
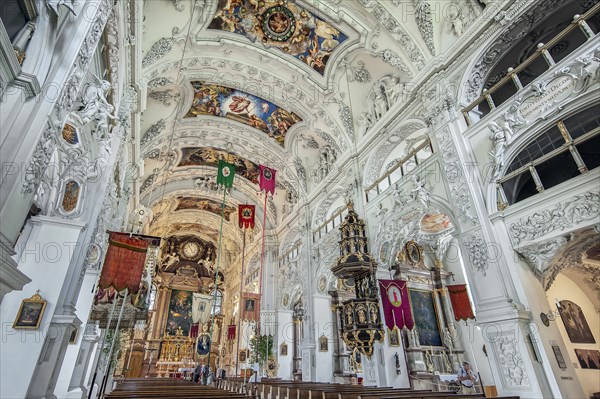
[(180, 313), (216, 100), (426, 318), (210, 156)]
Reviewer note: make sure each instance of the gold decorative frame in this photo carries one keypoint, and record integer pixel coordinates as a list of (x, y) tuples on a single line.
[(412, 248), (394, 333), (323, 343), (242, 356), (283, 349), (35, 307), (435, 309)]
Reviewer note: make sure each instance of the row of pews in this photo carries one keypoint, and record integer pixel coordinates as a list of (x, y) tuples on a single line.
[(166, 388), (281, 389)]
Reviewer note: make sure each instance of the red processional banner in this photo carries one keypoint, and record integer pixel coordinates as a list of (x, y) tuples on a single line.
[(395, 304), (124, 262), (267, 179), (194, 330), (461, 305), (250, 306), (231, 332), (246, 216)]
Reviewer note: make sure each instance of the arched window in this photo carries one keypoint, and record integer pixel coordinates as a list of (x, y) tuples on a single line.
[(564, 151), (218, 297)]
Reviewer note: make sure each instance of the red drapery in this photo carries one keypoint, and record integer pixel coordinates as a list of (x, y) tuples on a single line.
[(395, 304), (461, 305), (194, 330), (231, 332), (124, 262)]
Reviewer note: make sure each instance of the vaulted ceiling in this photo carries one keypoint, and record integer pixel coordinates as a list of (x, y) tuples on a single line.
[(272, 83)]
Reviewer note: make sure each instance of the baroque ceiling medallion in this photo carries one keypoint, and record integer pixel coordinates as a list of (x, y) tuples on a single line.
[(282, 25)]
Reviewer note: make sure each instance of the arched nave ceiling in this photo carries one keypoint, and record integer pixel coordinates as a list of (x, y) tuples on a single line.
[(293, 76)]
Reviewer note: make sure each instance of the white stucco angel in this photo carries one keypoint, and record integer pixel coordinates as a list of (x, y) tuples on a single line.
[(498, 138), (95, 106), (419, 192)]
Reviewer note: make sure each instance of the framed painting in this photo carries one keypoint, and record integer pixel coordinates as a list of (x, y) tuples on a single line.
[(588, 358), (203, 345), (575, 323), (426, 317), (180, 313), (394, 336), (323, 344), (283, 349), (249, 305), (30, 313), (242, 356)]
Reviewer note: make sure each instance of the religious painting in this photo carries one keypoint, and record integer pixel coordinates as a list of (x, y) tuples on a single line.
[(433, 223), (222, 101), (70, 196), (323, 344), (249, 305), (575, 323), (283, 349), (588, 358), (210, 156), (203, 204), (30, 313), (203, 345), (394, 335), (180, 313), (69, 134), (413, 252), (242, 356), (425, 316), (285, 26), (73, 336)]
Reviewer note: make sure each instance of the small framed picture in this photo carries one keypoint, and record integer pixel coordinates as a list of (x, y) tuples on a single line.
[(323, 344), (283, 349), (394, 336), (73, 336), (242, 356), (588, 358), (559, 357), (30, 313)]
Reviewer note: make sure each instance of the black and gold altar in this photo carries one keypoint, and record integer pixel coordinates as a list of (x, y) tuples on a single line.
[(359, 317)]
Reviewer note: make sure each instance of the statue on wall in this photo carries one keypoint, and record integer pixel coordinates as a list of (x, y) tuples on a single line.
[(95, 106), (419, 192), (498, 138)]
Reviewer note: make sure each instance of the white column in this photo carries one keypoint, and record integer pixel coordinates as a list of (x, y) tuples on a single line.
[(77, 355), (285, 333), (25, 354), (323, 326)]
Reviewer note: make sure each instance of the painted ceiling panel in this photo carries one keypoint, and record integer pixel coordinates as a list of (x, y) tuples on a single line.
[(285, 26), (217, 100), (210, 156)]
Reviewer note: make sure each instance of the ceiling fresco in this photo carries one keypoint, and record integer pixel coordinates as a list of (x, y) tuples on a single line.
[(285, 26), (210, 156), (217, 100), (203, 204)]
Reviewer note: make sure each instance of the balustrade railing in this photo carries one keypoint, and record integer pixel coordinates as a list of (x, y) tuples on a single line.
[(405, 165), (331, 223), (512, 76)]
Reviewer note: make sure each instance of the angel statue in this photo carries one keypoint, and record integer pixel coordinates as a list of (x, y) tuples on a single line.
[(419, 192), (95, 106)]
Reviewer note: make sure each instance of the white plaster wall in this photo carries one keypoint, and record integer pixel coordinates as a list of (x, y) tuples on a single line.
[(285, 328), (46, 260), (84, 304), (565, 288)]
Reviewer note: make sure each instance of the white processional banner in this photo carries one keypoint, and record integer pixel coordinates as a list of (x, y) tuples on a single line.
[(201, 307)]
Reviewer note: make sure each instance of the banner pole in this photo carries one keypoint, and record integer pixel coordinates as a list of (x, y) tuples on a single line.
[(212, 322), (239, 332), (110, 317), (112, 346), (262, 260)]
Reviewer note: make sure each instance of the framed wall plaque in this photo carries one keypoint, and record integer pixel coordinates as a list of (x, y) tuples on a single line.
[(30, 313), (559, 357), (283, 349)]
